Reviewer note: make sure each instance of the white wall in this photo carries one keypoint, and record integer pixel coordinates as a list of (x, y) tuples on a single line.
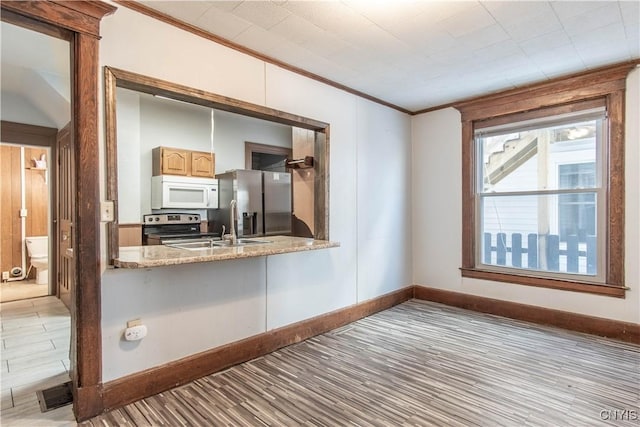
[(369, 144), (437, 221), (231, 131), (187, 309), (130, 199), (19, 109), (384, 201), (34, 78)]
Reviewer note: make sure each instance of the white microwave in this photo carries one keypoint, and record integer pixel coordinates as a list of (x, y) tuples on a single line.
[(168, 191)]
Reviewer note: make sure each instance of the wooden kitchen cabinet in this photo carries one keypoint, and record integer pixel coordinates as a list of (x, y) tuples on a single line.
[(170, 161), (178, 161), (202, 164)]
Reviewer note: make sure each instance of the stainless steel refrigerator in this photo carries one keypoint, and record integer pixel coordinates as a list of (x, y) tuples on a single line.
[(276, 202), (263, 202)]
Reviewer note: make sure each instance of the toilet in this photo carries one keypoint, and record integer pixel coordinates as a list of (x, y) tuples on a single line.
[(38, 249)]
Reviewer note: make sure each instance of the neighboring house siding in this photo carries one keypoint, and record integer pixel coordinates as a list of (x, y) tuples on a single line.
[(503, 215)]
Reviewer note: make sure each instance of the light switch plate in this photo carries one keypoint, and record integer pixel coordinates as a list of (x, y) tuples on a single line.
[(106, 211)]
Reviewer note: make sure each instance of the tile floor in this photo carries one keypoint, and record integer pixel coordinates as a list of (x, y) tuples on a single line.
[(34, 356)]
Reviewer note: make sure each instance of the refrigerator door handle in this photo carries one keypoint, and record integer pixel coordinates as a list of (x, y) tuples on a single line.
[(254, 223)]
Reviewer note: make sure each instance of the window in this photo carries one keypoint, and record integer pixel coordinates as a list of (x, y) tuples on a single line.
[(577, 212), (543, 184), (536, 208)]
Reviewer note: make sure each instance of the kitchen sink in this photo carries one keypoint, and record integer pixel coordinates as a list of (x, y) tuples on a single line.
[(200, 244), (241, 242), (204, 244)]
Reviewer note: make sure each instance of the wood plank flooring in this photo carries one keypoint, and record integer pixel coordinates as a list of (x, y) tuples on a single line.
[(419, 363), (21, 290), (35, 356)]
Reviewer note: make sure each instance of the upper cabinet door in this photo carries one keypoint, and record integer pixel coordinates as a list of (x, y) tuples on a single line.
[(174, 162), (177, 161), (202, 164), (170, 161)]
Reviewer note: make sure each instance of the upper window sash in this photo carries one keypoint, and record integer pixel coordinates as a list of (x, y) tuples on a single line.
[(503, 153), (546, 121)]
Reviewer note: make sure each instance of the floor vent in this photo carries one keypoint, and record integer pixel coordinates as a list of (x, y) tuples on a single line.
[(55, 397)]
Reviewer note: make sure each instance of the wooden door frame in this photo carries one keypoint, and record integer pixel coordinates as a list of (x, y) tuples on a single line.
[(79, 22)]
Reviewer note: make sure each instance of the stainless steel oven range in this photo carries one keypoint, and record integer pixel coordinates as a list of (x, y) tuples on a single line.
[(158, 229)]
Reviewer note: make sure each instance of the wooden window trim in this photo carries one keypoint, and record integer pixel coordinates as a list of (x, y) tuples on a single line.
[(565, 94), (540, 113), (114, 78)]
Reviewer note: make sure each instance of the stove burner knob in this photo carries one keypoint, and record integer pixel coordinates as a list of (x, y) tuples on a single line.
[(190, 218), (157, 219)]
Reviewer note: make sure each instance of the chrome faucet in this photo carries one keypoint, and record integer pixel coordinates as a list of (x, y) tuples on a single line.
[(233, 215)]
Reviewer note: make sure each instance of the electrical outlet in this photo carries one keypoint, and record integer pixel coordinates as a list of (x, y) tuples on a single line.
[(135, 333), (107, 211), (5, 275)]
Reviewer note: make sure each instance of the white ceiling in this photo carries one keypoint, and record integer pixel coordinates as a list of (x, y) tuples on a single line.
[(420, 54), (35, 84)]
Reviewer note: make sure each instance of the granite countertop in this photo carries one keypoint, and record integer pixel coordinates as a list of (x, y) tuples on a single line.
[(160, 255)]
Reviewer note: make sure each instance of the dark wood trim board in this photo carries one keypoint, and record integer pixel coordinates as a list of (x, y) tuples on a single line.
[(623, 331), (26, 134), (155, 380)]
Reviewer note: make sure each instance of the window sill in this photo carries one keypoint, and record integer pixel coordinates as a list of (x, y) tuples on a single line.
[(543, 282)]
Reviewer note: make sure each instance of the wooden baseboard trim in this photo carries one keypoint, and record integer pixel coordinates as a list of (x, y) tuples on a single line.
[(125, 390), (623, 331)]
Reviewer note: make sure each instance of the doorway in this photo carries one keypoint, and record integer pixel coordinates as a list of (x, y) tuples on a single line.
[(25, 215), (79, 24), (36, 107)]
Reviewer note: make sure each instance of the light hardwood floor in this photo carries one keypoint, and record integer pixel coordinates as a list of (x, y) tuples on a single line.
[(23, 289), (418, 363), (35, 356)]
